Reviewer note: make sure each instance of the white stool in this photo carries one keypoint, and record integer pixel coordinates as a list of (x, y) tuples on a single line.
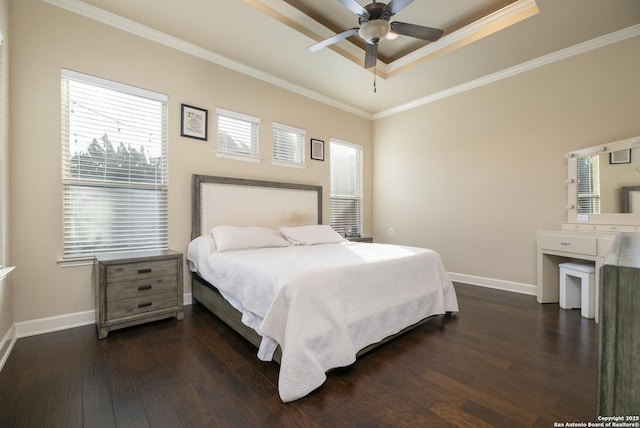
[(577, 287)]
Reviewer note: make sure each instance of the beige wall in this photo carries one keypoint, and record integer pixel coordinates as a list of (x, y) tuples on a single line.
[(46, 39), (6, 310), (490, 162)]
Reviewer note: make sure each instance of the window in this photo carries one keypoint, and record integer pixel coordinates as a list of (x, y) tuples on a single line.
[(288, 145), (114, 166), (346, 187), (589, 185), (237, 135)]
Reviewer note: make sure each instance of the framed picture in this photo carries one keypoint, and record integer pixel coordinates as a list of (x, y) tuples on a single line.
[(621, 156), (194, 122), (317, 149)]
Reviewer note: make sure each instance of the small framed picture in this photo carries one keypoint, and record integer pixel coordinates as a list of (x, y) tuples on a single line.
[(621, 156), (194, 122), (317, 149)]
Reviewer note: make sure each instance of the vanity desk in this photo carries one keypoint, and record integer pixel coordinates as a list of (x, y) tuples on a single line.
[(560, 246), (603, 200)]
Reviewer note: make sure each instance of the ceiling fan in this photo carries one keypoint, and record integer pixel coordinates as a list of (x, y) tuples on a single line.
[(374, 26)]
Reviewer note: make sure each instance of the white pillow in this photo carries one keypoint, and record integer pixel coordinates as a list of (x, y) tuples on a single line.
[(230, 238), (311, 235)]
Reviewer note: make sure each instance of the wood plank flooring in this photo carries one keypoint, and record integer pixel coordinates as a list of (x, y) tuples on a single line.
[(504, 361)]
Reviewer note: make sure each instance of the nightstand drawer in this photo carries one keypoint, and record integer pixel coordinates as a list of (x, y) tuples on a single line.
[(141, 270), (141, 304), (140, 287)]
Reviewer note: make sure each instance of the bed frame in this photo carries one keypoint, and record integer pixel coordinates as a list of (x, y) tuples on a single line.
[(241, 202)]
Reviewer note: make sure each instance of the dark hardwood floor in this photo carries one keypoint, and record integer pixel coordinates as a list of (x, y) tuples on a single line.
[(504, 361)]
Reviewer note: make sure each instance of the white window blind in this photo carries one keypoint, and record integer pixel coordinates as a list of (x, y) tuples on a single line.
[(346, 187), (114, 166), (237, 134), (589, 185), (288, 144)]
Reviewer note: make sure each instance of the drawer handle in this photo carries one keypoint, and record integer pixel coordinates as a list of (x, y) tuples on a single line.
[(564, 244), (144, 288), (147, 270), (144, 305)]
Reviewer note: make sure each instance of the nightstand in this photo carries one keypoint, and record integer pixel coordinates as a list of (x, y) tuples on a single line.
[(137, 287), (368, 239)]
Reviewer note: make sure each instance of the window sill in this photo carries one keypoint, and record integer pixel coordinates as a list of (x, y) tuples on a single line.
[(80, 261), (288, 164), (5, 271), (245, 158)]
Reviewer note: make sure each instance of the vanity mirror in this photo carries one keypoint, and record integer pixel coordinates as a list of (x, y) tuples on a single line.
[(604, 184)]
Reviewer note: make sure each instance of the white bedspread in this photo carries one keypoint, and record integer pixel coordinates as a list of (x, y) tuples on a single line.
[(324, 303)]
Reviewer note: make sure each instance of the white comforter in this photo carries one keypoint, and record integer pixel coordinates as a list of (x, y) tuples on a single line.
[(324, 303)]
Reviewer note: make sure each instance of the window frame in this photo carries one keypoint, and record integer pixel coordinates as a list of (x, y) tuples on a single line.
[(358, 184), (254, 138), (298, 152), (152, 225)]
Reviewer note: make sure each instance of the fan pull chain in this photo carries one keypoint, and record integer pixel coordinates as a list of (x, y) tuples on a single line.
[(374, 80)]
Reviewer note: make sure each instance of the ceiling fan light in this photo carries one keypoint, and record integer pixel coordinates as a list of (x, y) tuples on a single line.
[(374, 31)]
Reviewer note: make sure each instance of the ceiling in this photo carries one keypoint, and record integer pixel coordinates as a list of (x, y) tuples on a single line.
[(450, 16), (484, 40)]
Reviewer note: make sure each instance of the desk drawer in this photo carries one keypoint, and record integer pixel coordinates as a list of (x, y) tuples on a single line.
[(141, 270), (615, 228), (569, 244), (141, 304), (585, 227)]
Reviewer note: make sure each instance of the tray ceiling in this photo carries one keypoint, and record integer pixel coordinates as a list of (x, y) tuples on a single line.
[(268, 39)]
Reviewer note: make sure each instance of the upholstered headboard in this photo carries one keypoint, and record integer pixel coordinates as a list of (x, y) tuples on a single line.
[(240, 202)]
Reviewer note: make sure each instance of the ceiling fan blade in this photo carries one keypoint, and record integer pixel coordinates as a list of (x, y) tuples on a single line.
[(371, 55), (332, 40), (395, 6), (354, 7), (417, 31)]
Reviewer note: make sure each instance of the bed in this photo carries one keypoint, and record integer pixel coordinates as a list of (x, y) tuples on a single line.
[(263, 262)]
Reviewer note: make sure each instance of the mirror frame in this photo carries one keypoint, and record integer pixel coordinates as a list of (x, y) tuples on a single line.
[(572, 185)]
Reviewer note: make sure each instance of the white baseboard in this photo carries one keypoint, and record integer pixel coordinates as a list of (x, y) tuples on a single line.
[(51, 324), (6, 345), (63, 322), (516, 287)]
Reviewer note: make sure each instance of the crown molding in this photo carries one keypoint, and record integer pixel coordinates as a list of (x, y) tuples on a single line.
[(560, 55), (108, 18), (124, 24), (292, 17), (485, 26)]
